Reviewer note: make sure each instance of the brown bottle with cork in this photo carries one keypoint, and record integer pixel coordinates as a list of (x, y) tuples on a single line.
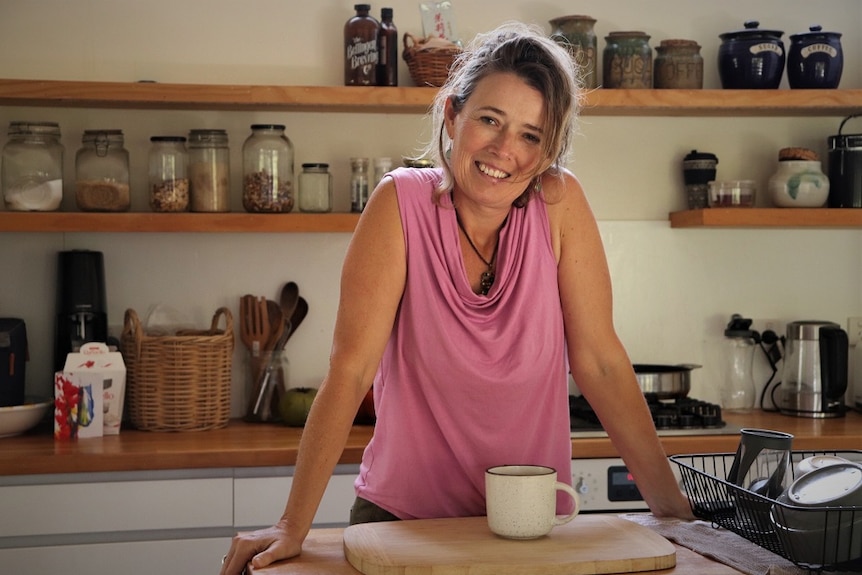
[(360, 48), (387, 48)]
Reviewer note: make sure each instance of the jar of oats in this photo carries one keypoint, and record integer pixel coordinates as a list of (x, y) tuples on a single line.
[(209, 171), (168, 174), (267, 165), (102, 172)]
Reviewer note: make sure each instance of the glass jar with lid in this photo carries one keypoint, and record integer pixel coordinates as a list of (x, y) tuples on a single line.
[(315, 188), (168, 174), (358, 184), (32, 167), (267, 165), (102, 172), (209, 171)]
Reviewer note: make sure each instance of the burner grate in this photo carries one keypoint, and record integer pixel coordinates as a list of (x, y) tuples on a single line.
[(680, 413)]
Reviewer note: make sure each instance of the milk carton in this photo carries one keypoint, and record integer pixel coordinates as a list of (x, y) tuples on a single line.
[(88, 393)]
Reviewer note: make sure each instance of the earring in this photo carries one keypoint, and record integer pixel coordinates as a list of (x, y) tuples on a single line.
[(537, 184), (448, 153)]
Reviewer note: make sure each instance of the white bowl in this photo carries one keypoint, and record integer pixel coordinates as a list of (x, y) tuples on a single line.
[(809, 464), (829, 486), (17, 419)]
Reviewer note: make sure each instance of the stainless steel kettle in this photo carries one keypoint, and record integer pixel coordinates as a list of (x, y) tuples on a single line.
[(814, 379)]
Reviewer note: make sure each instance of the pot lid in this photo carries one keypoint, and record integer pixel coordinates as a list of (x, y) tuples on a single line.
[(815, 33), (751, 31)]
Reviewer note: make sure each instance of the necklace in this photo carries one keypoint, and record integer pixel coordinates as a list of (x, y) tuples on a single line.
[(487, 279)]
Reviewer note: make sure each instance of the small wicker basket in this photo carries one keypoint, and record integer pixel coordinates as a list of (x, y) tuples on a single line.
[(178, 382), (428, 65)]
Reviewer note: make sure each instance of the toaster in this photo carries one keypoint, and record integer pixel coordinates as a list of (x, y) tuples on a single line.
[(13, 360)]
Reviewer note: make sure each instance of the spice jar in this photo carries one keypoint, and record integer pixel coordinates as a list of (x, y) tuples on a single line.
[(382, 166), (267, 164), (627, 60), (679, 65), (32, 167), (358, 184), (578, 36), (102, 172), (315, 188), (209, 171), (168, 174)]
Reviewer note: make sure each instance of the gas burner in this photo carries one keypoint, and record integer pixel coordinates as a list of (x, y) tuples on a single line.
[(679, 416)]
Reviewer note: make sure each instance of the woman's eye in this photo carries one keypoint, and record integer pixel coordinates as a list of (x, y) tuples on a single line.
[(532, 138), (488, 120)]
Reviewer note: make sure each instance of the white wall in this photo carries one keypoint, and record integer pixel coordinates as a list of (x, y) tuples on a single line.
[(674, 289)]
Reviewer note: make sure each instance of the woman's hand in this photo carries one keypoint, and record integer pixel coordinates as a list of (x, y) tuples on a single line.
[(261, 548)]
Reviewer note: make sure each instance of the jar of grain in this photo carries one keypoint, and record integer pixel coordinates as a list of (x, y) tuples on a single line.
[(267, 166), (33, 167), (102, 172), (209, 171), (168, 174), (315, 188)]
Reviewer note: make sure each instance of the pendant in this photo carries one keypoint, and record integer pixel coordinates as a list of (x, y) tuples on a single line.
[(486, 282)]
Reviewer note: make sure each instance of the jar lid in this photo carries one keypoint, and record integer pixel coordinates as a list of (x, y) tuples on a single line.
[(418, 163), (50, 128), (740, 327), (168, 139), (627, 34), (267, 126), (315, 165), (678, 43), (110, 135), (208, 136), (816, 33), (573, 17), (694, 155), (751, 31)]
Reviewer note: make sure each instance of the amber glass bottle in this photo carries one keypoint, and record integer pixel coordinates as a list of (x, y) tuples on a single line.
[(360, 48), (387, 48)]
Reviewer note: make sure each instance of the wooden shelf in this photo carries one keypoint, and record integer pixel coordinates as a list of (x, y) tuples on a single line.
[(767, 218), (179, 222), (410, 100)]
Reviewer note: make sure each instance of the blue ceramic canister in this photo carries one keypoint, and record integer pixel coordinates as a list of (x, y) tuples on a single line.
[(815, 59), (751, 58)]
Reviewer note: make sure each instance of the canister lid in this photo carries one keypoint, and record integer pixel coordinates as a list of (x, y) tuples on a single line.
[(694, 155), (816, 33), (751, 31)]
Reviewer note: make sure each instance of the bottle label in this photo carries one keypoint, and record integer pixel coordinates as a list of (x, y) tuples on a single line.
[(766, 47), (819, 49), (362, 56)]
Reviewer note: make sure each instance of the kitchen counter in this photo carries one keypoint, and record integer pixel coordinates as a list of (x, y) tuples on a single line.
[(323, 553), (243, 444)]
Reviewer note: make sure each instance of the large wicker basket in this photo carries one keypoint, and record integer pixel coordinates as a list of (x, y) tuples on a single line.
[(178, 382), (429, 65)]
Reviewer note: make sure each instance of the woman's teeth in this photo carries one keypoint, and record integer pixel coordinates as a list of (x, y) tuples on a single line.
[(494, 173)]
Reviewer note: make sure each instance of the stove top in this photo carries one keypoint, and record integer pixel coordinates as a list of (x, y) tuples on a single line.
[(680, 416)]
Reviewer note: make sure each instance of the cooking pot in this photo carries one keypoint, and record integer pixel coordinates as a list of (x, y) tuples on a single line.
[(751, 58), (845, 169), (664, 381)]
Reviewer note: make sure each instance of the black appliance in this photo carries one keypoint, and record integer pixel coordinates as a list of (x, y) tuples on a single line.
[(81, 303), (13, 361), (678, 416)]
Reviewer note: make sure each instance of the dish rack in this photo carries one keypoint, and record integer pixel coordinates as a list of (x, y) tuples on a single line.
[(836, 544)]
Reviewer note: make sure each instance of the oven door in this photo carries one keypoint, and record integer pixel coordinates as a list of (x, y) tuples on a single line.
[(606, 485)]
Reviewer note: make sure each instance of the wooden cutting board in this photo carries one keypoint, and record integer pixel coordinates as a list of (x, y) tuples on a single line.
[(465, 546)]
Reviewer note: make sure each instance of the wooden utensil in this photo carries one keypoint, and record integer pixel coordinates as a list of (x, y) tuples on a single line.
[(255, 324), (589, 544), (276, 324), (296, 318)]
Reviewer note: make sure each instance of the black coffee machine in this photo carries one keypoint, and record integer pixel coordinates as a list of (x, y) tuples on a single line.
[(81, 309)]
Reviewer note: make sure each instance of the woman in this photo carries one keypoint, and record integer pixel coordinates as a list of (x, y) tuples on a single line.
[(468, 292)]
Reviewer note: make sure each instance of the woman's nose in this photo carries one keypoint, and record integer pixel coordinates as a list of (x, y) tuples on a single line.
[(503, 143)]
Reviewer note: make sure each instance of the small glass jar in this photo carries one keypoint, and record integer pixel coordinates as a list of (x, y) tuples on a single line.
[(267, 164), (732, 194), (209, 171), (32, 167), (381, 167), (358, 184), (168, 174), (102, 172), (315, 188)]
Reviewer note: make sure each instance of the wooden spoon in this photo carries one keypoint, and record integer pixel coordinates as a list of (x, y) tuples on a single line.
[(276, 324)]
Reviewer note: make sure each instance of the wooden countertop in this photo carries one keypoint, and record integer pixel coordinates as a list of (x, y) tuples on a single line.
[(266, 445), (323, 553)]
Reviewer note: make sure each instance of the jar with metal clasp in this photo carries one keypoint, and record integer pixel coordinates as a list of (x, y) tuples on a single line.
[(102, 172), (267, 162), (32, 167)]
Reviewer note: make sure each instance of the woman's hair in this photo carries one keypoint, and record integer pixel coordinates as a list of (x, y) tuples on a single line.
[(526, 51)]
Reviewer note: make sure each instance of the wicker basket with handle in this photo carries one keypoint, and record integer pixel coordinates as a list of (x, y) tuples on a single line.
[(178, 382), (429, 60)]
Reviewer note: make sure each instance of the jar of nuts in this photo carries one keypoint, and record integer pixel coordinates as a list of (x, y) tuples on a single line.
[(102, 172), (209, 171), (168, 174), (267, 161)]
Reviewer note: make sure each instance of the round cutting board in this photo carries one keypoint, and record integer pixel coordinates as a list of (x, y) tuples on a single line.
[(587, 545)]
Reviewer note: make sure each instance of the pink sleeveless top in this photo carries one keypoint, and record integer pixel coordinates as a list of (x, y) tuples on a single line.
[(467, 381)]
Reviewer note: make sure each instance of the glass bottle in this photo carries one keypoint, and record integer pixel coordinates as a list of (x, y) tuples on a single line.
[(209, 171), (737, 388), (32, 167), (168, 174), (358, 184), (381, 167), (360, 48), (387, 50), (627, 60), (577, 34), (267, 166), (102, 172), (315, 188)]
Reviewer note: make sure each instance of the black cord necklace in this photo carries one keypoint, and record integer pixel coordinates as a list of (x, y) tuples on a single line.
[(488, 277)]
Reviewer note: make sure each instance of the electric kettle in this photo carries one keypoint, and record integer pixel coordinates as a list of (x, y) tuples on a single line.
[(814, 379)]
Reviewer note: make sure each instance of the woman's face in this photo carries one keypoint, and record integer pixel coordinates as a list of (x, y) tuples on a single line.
[(497, 139)]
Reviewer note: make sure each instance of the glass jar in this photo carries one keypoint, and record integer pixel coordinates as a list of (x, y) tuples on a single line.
[(358, 184), (32, 167), (737, 388), (209, 171), (168, 174), (381, 167), (627, 60), (102, 172), (267, 164), (578, 36), (315, 188), (678, 65)]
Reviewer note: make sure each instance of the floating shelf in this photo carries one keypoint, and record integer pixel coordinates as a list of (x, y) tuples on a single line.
[(767, 218)]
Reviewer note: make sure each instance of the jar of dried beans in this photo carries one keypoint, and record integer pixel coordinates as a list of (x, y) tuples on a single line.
[(209, 171), (267, 164), (102, 172), (168, 174)]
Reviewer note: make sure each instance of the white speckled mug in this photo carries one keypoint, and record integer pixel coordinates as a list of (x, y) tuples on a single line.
[(521, 500)]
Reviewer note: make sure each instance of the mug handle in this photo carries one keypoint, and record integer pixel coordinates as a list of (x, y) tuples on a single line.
[(563, 519)]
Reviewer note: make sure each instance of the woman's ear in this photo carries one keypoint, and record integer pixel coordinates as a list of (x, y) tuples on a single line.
[(449, 115)]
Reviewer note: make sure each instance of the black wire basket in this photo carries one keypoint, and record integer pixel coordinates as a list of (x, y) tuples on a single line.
[(814, 538)]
